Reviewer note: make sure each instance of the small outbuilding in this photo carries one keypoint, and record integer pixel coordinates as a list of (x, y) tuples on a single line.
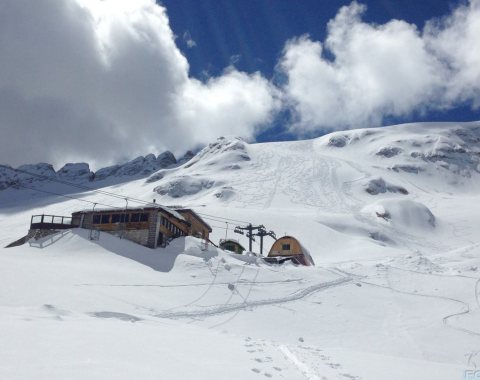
[(288, 248), (232, 246)]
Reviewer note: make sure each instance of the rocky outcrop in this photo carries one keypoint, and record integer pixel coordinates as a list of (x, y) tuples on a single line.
[(26, 175), (140, 166), (167, 159), (77, 172), (183, 186), (380, 186)]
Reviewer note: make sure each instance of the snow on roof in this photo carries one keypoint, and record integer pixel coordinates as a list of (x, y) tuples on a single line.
[(306, 253), (168, 210), (235, 241), (189, 210)]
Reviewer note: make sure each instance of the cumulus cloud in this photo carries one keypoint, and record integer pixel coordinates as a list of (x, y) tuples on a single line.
[(455, 40), (221, 100), (104, 80), (365, 72)]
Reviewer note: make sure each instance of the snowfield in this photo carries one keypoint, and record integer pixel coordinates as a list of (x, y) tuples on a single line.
[(391, 217)]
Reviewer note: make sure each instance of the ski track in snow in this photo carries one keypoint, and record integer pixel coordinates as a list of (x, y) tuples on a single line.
[(306, 371), (222, 309), (471, 356)]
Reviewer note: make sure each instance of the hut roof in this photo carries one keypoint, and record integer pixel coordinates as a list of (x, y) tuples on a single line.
[(223, 241), (199, 218), (149, 207)]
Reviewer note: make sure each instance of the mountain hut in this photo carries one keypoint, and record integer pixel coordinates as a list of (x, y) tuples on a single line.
[(152, 226), (288, 248)]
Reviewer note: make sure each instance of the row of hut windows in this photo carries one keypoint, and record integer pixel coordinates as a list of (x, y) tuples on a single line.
[(120, 218), (172, 227)]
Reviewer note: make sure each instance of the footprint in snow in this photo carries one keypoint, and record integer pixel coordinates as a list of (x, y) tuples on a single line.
[(57, 313), (351, 377), (334, 365), (115, 315)]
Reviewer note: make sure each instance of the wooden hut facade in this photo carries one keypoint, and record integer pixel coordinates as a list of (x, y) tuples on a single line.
[(197, 226), (289, 248), (152, 226)]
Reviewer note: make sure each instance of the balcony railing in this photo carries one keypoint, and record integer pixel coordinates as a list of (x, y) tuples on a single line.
[(50, 222)]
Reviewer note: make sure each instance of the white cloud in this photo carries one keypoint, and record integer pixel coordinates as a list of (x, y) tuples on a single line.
[(456, 40), (189, 41), (103, 81), (381, 70), (234, 99)]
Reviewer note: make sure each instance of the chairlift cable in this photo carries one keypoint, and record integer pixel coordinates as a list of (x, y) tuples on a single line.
[(214, 219), (221, 217), (67, 196), (77, 185), (109, 193)]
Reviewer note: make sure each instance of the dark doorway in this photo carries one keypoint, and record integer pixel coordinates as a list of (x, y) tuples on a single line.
[(160, 239)]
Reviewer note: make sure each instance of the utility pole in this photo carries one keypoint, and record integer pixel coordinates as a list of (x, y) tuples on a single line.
[(263, 232), (249, 233)]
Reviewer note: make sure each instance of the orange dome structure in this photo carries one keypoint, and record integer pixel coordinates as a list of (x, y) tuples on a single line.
[(287, 247)]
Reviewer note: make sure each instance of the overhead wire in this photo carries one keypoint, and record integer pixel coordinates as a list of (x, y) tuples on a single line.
[(109, 193), (77, 185), (220, 220), (69, 197), (221, 217)]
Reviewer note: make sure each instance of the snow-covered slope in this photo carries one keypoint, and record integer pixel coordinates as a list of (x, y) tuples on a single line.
[(390, 215)]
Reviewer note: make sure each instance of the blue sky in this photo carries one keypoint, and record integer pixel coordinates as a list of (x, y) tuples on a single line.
[(251, 34), (104, 81), (257, 30)]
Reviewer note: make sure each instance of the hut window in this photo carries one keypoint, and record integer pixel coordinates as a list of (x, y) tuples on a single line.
[(105, 219), (124, 218), (96, 219), (144, 217), (135, 218), (285, 247), (115, 218)]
